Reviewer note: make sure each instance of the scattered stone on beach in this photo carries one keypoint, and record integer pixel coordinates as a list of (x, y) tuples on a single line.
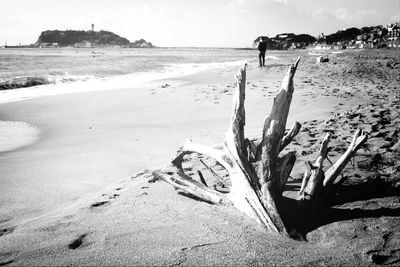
[(322, 59)]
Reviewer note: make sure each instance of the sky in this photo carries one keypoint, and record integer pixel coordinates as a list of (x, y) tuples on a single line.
[(205, 23)]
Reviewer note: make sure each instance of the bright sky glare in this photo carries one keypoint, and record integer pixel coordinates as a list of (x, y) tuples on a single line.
[(210, 23)]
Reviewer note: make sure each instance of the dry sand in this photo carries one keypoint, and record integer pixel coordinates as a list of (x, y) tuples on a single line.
[(58, 208)]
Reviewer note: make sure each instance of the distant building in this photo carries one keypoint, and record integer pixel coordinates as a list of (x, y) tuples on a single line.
[(83, 44), (393, 34), (48, 45), (393, 31)]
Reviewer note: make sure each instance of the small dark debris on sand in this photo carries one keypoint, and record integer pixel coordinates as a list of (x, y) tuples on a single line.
[(6, 231), (4, 263), (77, 242), (99, 204)]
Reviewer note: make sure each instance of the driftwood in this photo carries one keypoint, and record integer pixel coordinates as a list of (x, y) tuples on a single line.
[(259, 172)]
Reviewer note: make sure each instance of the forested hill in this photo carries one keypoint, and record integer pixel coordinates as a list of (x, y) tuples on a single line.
[(86, 38)]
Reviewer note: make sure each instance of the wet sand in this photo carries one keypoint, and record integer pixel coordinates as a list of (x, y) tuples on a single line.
[(75, 196), (15, 134)]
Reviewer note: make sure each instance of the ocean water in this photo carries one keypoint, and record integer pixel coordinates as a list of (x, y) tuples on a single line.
[(63, 167), (69, 64), (67, 68)]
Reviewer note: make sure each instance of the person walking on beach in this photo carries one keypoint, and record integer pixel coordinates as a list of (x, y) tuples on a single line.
[(262, 47)]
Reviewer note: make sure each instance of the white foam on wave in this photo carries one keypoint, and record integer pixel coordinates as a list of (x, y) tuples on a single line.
[(66, 77), (183, 69), (15, 134), (75, 84)]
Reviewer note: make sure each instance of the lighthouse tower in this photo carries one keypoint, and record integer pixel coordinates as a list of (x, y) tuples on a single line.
[(92, 27)]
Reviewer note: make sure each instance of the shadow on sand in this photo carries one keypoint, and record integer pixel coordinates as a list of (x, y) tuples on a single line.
[(306, 217)]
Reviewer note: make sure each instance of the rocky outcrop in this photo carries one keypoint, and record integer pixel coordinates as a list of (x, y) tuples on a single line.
[(71, 37), (74, 38), (141, 44)]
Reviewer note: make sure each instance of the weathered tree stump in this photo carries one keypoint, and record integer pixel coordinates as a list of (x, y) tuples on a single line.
[(259, 172)]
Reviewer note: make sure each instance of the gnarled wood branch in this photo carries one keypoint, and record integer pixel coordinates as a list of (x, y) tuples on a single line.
[(213, 173), (290, 135), (244, 192), (285, 166), (316, 182), (257, 172), (359, 138), (188, 185), (316, 174)]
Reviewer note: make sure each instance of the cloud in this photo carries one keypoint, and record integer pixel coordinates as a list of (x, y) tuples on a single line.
[(241, 3), (395, 18), (282, 1), (147, 11), (358, 17), (259, 6)]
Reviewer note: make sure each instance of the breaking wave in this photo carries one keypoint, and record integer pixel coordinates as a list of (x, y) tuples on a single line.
[(32, 87)]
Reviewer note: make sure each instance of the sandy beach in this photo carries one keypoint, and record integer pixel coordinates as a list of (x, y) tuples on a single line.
[(78, 190)]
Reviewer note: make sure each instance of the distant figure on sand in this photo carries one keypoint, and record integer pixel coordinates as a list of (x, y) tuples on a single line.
[(262, 47)]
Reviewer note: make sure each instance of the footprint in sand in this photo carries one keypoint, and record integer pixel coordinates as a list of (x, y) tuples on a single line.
[(114, 196), (77, 242), (56, 226), (7, 230), (106, 202), (99, 204), (4, 263), (142, 194)]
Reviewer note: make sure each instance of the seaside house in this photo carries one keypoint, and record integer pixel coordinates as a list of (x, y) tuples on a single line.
[(393, 34), (360, 42), (48, 45), (322, 46), (83, 44)]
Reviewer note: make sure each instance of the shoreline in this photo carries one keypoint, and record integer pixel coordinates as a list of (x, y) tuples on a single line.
[(92, 84), (114, 215), (94, 145), (134, 81), (59, 128)]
